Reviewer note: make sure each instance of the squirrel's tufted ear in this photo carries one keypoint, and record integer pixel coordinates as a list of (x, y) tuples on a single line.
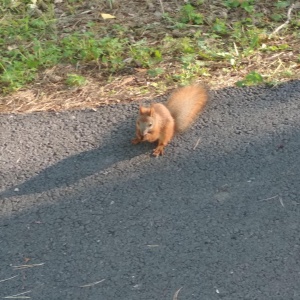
[(142, 109), (146, 111)]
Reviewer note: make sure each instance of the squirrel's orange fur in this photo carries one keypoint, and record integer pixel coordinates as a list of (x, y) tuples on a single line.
[(160, 122)]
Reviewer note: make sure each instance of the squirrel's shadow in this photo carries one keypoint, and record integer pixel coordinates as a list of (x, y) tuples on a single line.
[(76, 167)]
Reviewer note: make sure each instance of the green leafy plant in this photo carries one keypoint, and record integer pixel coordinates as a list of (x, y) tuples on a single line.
[(249, 38), (186, 45), (253, 78), (282, 4), (232, 3), (275, 48), (189, 15), (155, 72), (85, 47), (191, 68), (75, 80), (220, 27), (145, 55), (276, 17), (112, 51), (247, 5)]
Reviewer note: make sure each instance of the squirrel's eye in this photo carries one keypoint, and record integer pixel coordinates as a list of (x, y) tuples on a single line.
[(150, 124)]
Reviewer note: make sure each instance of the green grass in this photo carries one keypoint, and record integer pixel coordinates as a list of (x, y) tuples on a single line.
[(75, 80), (30, 41)]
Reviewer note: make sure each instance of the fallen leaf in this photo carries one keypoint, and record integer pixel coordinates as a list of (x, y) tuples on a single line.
[(107, 16)]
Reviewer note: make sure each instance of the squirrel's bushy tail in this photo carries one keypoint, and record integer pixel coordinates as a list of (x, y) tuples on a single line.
[(185, 104)]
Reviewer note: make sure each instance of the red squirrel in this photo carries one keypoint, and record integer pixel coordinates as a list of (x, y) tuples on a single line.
[(161, 122)]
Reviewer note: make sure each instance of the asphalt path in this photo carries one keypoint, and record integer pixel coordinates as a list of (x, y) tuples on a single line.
[(87, 215)]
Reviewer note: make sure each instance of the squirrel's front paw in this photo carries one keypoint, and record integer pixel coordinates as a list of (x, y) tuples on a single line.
[(159, 150), (136, 141)]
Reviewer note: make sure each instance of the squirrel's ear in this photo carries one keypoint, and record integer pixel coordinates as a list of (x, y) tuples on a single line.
[(142, 109)]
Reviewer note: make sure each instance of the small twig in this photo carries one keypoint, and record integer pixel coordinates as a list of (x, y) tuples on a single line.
[(281, 202), (278, 67), (186, 25), (162, 6), (269, 198), (91, 284), (21, 267), (18, 296), (197, 143), (176, 294), (85, 12), (110, 2), (236, 49), (8, 278), (274, 56), (286, 22)]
